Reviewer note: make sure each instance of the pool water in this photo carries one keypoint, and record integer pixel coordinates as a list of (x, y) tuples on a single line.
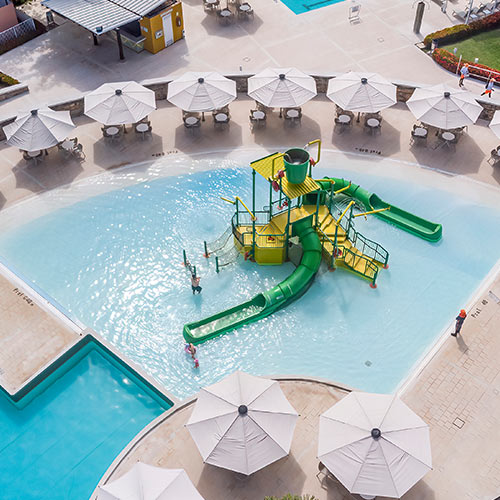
[(115, 262), (301, 6), (60, 444)]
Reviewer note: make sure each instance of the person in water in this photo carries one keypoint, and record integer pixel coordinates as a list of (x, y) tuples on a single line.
[(196, 363), (195, 283), (459, 322), (192, 350)]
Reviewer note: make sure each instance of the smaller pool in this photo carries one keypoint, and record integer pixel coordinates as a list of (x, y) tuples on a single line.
[(61, 443), (301, 6)]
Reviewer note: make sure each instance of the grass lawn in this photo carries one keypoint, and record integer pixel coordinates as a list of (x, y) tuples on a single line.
[(485, 46)]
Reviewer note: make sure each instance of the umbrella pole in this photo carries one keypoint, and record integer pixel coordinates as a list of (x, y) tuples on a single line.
[(359, 114)]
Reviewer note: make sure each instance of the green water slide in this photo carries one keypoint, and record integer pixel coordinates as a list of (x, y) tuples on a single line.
[(423, 228), (264, 304)]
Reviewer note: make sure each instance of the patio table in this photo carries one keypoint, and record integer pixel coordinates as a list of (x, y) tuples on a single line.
[(372, 122), (245, 7), (34, 154), (420, 132), (344, 119), (112, 131), (258, 115), (225, 13), (292, 113), (68, 145), (191, 120)]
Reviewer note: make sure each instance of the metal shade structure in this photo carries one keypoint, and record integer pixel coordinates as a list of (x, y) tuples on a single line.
[(282, 87), (242, 423), (361, 92), (119, 103), (374, 444), (444, 107), (145, 482), (203, 91), (39, 129), (495, 123)]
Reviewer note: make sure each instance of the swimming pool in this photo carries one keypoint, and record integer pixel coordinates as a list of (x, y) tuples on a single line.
[(114, 261), (58, 446), (301, 6)]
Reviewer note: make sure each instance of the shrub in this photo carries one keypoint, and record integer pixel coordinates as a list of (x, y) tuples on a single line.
[(461, 31), (450, 62), (7, 80)]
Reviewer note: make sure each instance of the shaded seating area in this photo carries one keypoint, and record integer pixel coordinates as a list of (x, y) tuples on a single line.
[(245, 11), (34, 156), (191, 120), (225, 16), (113, 133), (71, 147), (343, 121), (258, 118), (221, 117), (292, 116), (494, 158), (419, 135), (210, 6), (373, 123), (143, 127)]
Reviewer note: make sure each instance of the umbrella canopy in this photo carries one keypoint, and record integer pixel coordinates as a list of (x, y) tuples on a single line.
[(495, 123), (374, 444), (444, 107), (198, 92), (361, 92), (39, 129), (242, 423), (281, 87), (145, 482), (119, 103)]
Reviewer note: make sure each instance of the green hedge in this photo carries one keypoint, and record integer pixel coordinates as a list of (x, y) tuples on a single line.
[(7, 80), (449, 61), (462, 31)]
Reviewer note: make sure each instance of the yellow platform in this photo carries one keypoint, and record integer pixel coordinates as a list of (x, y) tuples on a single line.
[(268, 167)]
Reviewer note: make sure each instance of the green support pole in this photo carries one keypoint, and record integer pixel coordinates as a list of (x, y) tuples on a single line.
[(194, 270), (216, 264), (287, 228), (270, 201), (253, 209), (317, 208), (279, 204), (206, 250), (349, 223), (184, 257)]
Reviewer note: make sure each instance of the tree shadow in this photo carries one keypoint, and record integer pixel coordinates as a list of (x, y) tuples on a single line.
[(278, 478), (52, 172), (129, 149), (193, 141)]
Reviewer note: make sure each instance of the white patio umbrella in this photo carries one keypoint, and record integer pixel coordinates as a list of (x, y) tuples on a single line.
[(281, 87), (202, 91), (361, 92), (374, 444), (145, 482), (119, 103), (495, 123), (242, 423), (444, 107), (39, 129)]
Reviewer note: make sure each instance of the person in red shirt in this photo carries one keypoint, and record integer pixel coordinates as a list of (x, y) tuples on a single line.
[(459, 322)]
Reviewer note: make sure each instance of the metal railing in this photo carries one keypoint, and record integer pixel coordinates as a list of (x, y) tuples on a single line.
[(18, 30), (369, 247), (340, 252)]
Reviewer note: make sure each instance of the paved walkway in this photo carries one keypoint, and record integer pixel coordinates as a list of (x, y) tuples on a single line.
[(64, 63), (30, 336), (458, 395)]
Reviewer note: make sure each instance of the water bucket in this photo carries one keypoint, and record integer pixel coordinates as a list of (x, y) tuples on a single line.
[(296, 164)]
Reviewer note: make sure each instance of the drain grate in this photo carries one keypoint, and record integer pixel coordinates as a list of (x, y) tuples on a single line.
[(458, 422)]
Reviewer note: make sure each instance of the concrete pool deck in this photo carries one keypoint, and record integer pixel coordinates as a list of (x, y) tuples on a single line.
[(31, 337)]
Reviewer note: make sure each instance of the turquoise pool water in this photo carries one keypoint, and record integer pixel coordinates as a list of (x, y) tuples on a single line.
[(61, 443), (114, 261), (301, 6)]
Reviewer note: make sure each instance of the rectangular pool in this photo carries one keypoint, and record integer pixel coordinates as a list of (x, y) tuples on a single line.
[(62, 442), (301, 6)]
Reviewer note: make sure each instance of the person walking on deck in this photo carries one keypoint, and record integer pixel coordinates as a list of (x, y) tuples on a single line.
[(459, 322), (464, 72), (489, 87)]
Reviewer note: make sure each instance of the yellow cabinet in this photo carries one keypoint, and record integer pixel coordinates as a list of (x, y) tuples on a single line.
[(163, 26)]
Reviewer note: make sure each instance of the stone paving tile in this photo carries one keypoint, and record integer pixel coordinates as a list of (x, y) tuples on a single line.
[(30, 336)]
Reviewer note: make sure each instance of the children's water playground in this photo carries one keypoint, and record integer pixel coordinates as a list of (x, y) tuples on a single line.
[(379, 258)]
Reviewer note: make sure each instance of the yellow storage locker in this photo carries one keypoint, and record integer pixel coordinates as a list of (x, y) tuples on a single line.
[(163, 26)]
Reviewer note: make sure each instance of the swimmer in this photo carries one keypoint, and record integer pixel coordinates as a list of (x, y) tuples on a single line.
[(196, 363), (195, 283), (191, 350)]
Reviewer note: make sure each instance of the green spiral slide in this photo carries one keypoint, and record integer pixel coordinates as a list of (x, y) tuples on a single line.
[(264, 304)]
